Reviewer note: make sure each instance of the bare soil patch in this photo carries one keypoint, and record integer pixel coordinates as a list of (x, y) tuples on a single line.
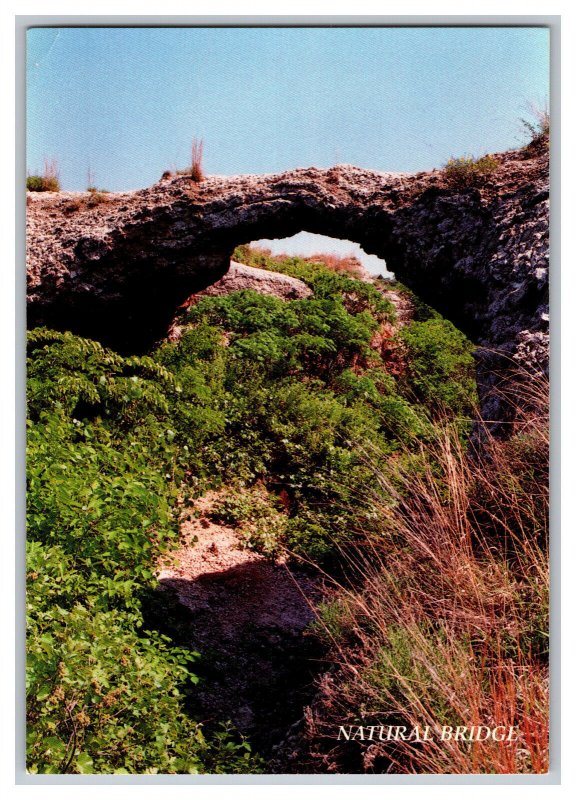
[(249, 620)]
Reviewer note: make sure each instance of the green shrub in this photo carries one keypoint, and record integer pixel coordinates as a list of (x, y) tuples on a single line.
[(284, 400), (440, 368), (467, 171), (48, 182), (257, 515), (104, 472), (356, 295), (39, 183), (35, 183), (104, 696)]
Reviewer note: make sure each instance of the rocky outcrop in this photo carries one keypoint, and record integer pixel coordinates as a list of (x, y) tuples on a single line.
[(263, 281), (117, 268), (241, 276)]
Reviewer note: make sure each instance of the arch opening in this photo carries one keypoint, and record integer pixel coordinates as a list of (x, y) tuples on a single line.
[(478, 255), (307, 245)]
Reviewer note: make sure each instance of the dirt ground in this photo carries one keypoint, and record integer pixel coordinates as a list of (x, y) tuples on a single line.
[(248, 618)]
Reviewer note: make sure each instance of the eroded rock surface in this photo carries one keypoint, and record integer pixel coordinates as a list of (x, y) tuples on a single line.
[(263, 281), (117, 268)]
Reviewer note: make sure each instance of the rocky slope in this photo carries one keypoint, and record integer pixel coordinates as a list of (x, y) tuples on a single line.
[(116, 266)]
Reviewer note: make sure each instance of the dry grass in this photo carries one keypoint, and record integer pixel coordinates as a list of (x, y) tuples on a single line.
[(450, 626), (347, 265), (97, 198), (467, 172), (49, 181), (196, 171), (51, 175), (537, 125)]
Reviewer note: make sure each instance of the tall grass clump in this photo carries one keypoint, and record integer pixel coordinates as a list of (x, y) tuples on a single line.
[(450, 625), (467, 171), (196, 171), (537, 126), (49, 181)]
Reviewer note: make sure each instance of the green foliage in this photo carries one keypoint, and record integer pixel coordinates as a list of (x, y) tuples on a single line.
[(80, 376), (302, 394), (316, 336), (35, 183), (440, 371), (40, 183), (104, 697), (467, 171), (355, 294), (258, 516), (281, 400), (104, 473), (48, 182)]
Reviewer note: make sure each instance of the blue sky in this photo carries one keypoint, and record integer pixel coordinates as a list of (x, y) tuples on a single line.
[(126, 103)]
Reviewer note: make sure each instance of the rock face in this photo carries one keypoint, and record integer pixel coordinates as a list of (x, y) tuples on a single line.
[(274, 284), (116, 268)]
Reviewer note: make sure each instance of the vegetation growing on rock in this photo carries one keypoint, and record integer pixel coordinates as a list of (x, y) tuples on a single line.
[(322, 436), (467, 171), (49, 181)]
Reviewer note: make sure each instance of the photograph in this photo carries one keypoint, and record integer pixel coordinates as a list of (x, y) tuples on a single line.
[(287, 399)]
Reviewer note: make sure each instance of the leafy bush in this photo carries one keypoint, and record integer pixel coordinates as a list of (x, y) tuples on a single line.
[(104, 475), (302, 393), (318, 335), (35, 183), (38, 183), (289, 402), (258, 517), (323, 280), (441, 370)]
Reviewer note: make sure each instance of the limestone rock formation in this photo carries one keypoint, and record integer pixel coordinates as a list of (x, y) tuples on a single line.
[(117, 269), (263, 281)]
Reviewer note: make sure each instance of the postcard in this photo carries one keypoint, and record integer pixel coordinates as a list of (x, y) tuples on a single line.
[(287, 396)]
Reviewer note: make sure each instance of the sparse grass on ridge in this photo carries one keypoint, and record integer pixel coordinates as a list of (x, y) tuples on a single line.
[(538, 127), (195, 170), (49, 181), (467, 171)]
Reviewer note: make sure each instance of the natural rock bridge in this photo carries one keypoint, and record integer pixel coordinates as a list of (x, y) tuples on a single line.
[(115, 267)]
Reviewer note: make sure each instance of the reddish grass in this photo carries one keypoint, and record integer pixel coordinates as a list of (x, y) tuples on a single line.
[(450, 625), (51, 175), (196, 171), (348, 265)]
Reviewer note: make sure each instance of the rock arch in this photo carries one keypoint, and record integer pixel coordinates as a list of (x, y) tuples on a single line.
[(116, 266)]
